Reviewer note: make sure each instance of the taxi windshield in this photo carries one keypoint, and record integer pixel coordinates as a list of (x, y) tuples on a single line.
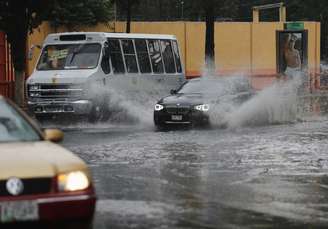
[(69, 56), (13, 127)]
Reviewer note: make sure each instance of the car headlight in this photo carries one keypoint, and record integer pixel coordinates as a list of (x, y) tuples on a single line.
[(202, 107), (73, 181), (34, 87), (158, 107), (35, 94)]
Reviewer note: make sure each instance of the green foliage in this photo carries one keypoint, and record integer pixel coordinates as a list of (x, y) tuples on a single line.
[(171, 10), (17, 18), (76, 13), (126, 6)]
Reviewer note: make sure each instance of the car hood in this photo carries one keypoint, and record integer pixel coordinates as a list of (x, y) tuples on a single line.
[(36, 159), (183, 99), (61, 76)]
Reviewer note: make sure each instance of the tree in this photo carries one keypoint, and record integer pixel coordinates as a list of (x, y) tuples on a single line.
[(213, 10), (311, 11), (209, 40), (76, 13), (126, 6), (17, 18)]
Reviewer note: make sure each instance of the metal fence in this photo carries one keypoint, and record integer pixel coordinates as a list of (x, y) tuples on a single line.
[(7, 78)]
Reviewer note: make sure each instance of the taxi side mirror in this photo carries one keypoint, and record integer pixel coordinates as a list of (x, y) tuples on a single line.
[(53, 135)]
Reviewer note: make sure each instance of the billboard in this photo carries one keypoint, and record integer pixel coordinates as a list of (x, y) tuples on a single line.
[(291, 52)]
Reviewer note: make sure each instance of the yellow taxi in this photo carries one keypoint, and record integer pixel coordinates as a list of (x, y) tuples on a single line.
[(40, 181)]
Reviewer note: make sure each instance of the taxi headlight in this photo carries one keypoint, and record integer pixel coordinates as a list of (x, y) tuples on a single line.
[(158, 107), (73, 181), (202, 107)]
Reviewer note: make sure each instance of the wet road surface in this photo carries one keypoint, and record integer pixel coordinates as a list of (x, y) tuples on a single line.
[(272, 176)]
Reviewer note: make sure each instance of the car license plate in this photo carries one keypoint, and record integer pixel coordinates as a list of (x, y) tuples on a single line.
[(176, 117), (19, 211)]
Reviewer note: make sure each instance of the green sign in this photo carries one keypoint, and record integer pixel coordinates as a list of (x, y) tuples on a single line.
[(294, 26)]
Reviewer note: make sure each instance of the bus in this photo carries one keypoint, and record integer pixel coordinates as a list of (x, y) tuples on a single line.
[(76, 71)]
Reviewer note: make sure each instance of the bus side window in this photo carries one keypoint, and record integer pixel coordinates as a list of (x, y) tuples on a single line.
[(168, 56), (105, 66), (155, 55), (143, 57), (177, 56), (129, 56), (116, 56)]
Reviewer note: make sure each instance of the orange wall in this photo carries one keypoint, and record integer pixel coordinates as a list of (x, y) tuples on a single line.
[(240, 47), (233, 47), (264, 47), (195, 48)]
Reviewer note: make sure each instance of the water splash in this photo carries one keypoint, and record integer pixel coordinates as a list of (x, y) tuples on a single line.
[(279, 103), (133, 101), (234, 105), (240, 106)]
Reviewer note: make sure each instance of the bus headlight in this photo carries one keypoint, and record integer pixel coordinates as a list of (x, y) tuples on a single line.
[(202, 107), (35, 94), (73, 181), (34, 87), (158, 107)]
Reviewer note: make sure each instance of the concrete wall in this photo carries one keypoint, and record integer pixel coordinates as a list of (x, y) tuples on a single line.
[(240, 47)]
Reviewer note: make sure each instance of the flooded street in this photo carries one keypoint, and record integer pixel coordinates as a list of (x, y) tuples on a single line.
[(164, 114), (269, 176)]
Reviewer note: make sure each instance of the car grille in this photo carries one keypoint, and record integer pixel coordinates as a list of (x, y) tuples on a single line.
[(57, 91), (31, 186), (177, 110)]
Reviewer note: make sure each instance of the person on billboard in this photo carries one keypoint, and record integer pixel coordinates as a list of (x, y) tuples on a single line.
[(292, 57)]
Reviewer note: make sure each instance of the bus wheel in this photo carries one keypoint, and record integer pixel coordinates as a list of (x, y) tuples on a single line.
[(99, 112), (95, 113)]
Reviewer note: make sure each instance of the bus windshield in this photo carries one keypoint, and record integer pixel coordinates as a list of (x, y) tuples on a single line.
[(69, 56)]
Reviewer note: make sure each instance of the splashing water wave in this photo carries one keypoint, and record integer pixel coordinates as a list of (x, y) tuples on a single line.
[(235, 104)]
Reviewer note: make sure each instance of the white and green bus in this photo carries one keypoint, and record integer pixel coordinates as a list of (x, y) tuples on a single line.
[(77, 71)]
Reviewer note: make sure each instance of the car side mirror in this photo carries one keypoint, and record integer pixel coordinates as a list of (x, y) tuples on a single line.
[(53, 135), (173, 92)]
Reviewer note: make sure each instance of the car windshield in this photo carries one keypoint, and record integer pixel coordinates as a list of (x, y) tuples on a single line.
[(194, 87), (69, 56), (13, 127), (215, 86)]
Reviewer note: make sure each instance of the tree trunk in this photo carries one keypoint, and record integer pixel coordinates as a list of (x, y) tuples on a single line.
[(160, 8), (209, 43), (128, 16), (324, 46), (19, 87), (17, 34)]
